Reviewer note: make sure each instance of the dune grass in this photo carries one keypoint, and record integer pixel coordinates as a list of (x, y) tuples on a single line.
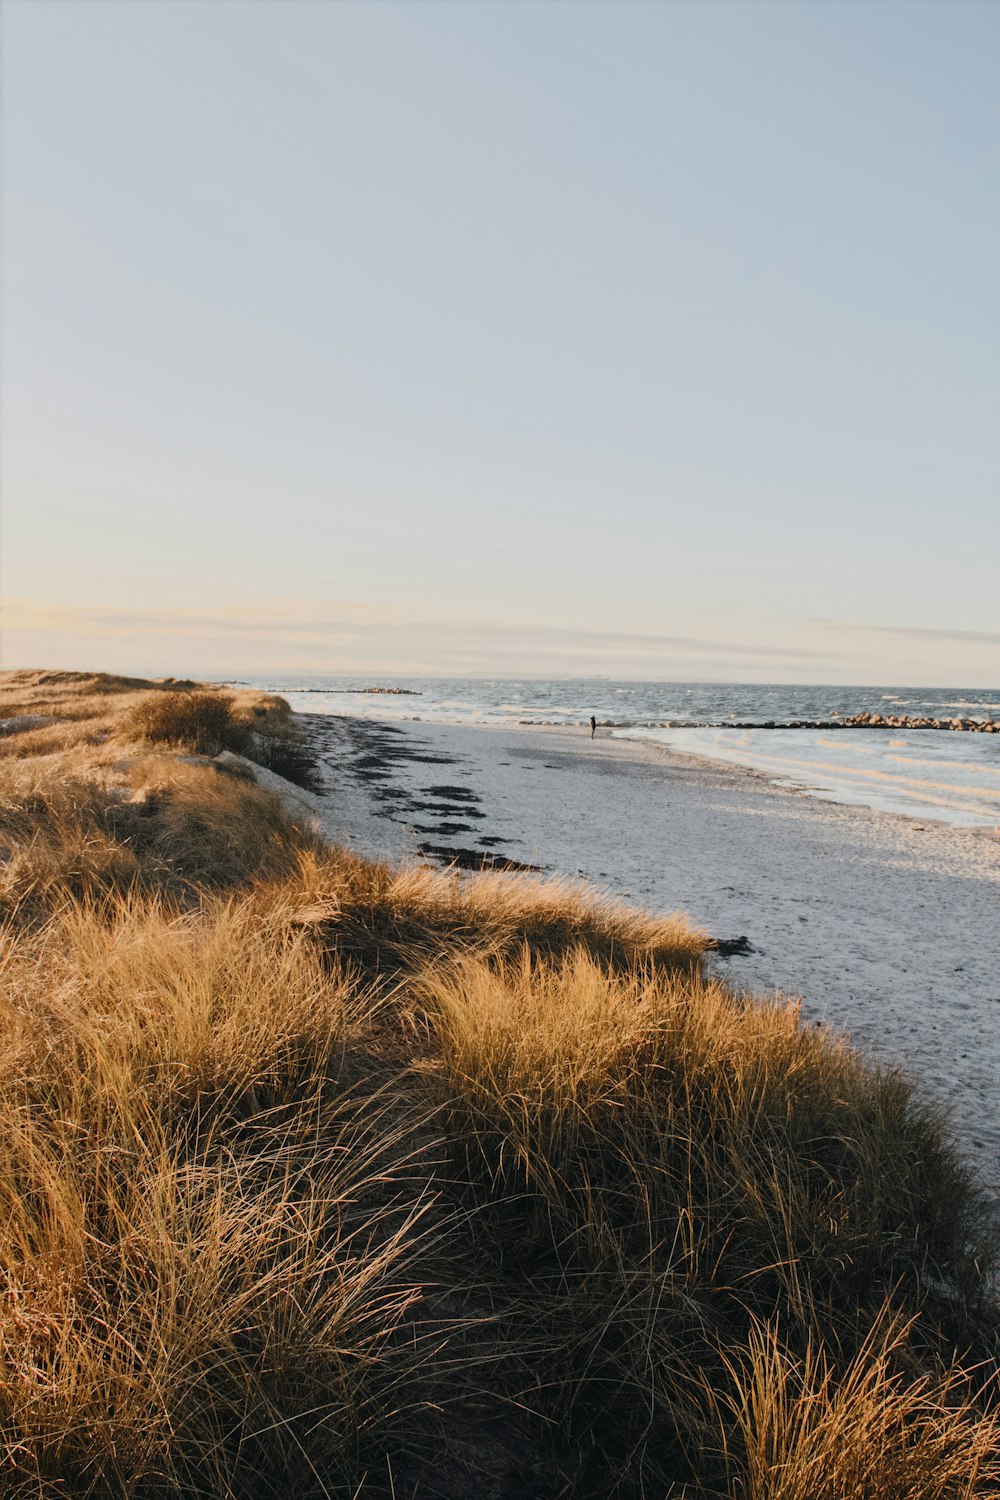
[(658, 1169), (624, 1105), (205, 1252), (809, 1432), (328, 1179), (71, 831), (388, 919), (202, 722)]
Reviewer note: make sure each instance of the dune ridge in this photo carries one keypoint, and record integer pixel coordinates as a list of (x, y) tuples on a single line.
[(327, 1175)]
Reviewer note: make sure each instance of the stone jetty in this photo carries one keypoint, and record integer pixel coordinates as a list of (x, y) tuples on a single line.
[(848, 721)]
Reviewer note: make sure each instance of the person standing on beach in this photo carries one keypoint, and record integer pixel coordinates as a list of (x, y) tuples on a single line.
[(593, 726)]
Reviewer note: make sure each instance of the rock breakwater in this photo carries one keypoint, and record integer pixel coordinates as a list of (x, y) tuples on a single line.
[(848, 721)]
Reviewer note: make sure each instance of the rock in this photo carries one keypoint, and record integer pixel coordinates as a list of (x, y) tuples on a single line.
[(235, 765), (732, 947), (22, 722)]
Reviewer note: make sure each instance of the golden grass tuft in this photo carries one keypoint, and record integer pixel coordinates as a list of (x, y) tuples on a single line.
[(203, 723), (646, 1099), (653, 1165), (154, 823), (804, 1431), (391, 919), (255, 725), (203, 1260)]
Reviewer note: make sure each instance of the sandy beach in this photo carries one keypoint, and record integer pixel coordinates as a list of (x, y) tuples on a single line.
[(885, 925)]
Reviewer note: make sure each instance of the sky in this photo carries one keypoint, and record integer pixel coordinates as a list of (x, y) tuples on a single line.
[(648, 340)]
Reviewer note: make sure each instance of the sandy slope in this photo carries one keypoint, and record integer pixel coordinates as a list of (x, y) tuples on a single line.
[(887, 926)]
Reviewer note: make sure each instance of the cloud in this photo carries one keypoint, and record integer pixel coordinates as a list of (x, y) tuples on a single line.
[(368, 629), (931, 633), (284, 638), (265, 621), (913, 632)]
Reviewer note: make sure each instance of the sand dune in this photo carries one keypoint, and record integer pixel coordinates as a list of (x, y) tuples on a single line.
[(886, 926)]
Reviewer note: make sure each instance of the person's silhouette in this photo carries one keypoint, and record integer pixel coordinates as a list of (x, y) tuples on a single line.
[(593, 726)]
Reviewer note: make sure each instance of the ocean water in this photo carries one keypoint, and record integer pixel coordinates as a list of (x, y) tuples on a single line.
[(925, 773)]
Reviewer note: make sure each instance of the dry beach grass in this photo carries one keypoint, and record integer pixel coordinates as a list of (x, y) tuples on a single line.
[(325, 1178)]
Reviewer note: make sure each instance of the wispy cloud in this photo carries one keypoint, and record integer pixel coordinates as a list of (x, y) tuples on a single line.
[(361, 637), (928, 633), (370, 628), (21, 614)]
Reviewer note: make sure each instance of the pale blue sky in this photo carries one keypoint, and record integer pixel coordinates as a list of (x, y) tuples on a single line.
[(657, 339)]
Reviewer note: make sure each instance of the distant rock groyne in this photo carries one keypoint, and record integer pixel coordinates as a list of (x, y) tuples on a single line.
[(357, 692), (849, 721)]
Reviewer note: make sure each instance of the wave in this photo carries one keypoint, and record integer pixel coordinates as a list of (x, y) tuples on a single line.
[(852, 767)]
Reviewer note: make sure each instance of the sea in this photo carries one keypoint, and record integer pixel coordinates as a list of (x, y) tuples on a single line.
[(925, 773)]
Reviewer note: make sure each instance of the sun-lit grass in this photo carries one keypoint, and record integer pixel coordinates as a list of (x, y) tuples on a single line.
[(323, 1178), (154, 823), (391, 918), (201, 722), (204, 1256), (805, 1431), (650, 1162), (649, 1099)]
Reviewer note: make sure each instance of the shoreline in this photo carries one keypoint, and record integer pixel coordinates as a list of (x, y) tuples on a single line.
[(883, 924)]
